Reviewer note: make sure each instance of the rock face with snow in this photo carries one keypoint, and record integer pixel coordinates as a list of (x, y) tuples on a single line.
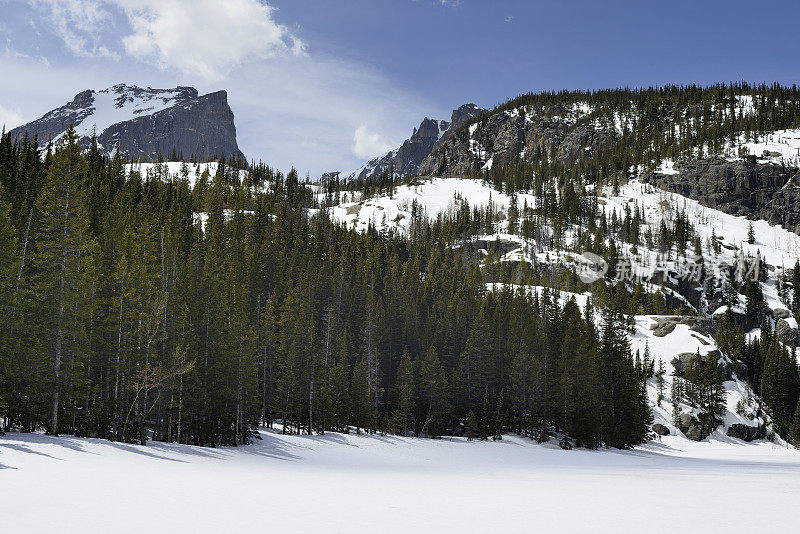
[(143, 122), (755, 190), (503, 137), (786, 332), (406, 159)]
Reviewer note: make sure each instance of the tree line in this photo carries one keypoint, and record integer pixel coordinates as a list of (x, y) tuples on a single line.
[(128, 317)]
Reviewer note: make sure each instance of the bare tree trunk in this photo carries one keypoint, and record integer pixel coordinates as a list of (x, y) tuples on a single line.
[(180, 409), (119, 350), (24, 251), (372, 360), (239, 433)]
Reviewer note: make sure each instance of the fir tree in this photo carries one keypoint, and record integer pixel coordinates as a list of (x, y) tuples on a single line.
[(61, 273)]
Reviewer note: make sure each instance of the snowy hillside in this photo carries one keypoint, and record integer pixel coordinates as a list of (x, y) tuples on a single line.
[(177, 170), (665, 338), (437, 196), (778, 248), (353, 483)]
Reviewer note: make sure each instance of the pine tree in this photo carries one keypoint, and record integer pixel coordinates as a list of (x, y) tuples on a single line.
[(61, 272), (660, 382), (471, 426), (433, 385), (8, 267), (676, 393), (796, 288), (405, 392)]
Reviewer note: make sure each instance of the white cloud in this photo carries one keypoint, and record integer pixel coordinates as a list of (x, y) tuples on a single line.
[(368, 144), (9, 118), (205, 37), (78, 23)]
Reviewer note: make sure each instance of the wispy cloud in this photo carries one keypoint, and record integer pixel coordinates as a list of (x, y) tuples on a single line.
[(509, 18), (9, 118), (367, 144), (78, 24)]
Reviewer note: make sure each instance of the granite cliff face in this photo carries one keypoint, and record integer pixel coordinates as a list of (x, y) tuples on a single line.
[(502, 138), (143, 123), (406, 159), (754, 190)]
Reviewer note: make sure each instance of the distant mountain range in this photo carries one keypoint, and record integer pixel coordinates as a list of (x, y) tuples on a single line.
[(406, 159), (143, 123)]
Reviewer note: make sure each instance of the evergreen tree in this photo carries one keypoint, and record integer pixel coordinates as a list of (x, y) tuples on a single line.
[(61, 274), (433, 385)]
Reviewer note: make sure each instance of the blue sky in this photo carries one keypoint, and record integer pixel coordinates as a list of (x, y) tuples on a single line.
[(324, 85)]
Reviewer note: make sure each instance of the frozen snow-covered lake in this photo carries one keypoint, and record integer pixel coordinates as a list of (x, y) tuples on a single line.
[(350, 483)]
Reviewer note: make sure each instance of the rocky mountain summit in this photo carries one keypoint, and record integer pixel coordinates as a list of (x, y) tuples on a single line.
[(406, 159), (143, 123)]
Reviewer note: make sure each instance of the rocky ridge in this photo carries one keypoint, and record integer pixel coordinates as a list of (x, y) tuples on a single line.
[(406, 159)]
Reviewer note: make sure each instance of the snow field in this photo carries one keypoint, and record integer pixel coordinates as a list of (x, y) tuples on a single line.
[(349, 483)]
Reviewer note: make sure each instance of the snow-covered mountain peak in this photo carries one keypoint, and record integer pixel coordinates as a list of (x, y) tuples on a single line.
[(135, 121), (119, 103)]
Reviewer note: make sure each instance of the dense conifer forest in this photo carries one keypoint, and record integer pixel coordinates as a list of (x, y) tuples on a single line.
[(125, 316)]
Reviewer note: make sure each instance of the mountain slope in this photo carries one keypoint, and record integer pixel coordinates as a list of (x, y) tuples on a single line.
[(144, 123), (723, 240)]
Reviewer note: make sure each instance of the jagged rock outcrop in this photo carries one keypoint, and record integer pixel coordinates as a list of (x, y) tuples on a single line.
[(143, 123), (406, 159), (504, 137), (742, 187)]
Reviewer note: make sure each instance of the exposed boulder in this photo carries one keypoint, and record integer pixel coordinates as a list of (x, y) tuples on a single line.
[(666, 325), (697, 428), (746, 432), (663, 328), (781, 313), (661, 430), (786, 332), (685, 359)]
